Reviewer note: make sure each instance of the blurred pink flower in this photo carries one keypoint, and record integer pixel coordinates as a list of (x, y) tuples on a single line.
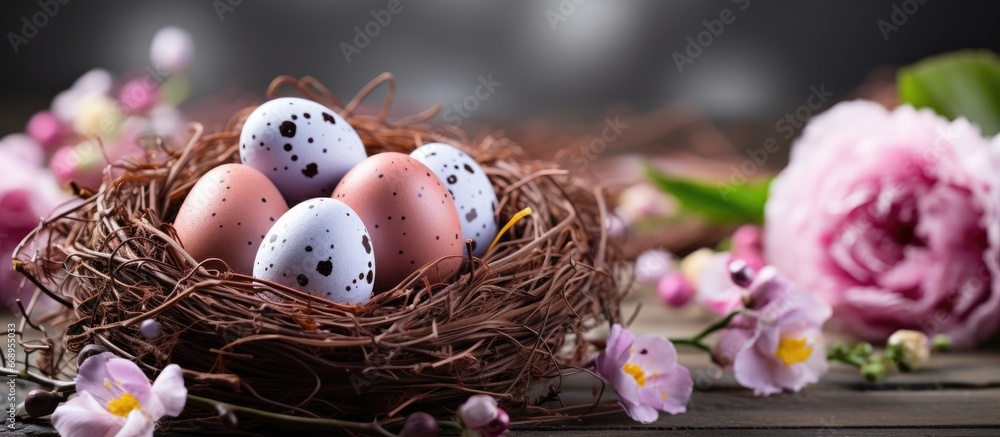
[(748, 245), (716, 290), (892, 216), (28, 192), (115, 399), (645, 374), (778, 344), (481, 416)]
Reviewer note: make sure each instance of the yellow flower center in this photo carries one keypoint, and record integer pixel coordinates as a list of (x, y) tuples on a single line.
[(636, 371), (123, 405), (793, 350)]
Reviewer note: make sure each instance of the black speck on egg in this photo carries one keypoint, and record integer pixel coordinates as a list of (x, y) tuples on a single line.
[(288, 147), (468, 168), (452, 179), (324, 267), (309, 248), (287, 129), (366, 244), (302, 280), (370, 275), (310, 170), (329, 118)]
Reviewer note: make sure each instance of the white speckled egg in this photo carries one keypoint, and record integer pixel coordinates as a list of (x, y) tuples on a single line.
[(469, 186), (302, 146), (319, 246)]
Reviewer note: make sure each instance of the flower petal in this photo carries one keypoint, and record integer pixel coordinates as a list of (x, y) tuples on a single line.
[(92, 376), (619, 341), (641, 413), (170, 390), (84, 416), (669, 391), (138, 424), (653, 353)]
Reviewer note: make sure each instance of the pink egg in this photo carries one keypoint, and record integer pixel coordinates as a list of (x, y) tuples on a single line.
[(227, 214)]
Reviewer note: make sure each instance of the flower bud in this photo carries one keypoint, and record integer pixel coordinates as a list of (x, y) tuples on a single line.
[(150, 329), (40, 403), (89, 351), (873, 371), (692, 265), (674, 290), (908, 349), (941, 342), (480, 414), (419, 424)]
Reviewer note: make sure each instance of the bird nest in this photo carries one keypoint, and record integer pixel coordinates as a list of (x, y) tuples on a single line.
[(509, 322)]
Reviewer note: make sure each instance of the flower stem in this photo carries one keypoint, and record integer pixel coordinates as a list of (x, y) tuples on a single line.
[(696, 341), (59, 386), (370, 428), (691, 342)]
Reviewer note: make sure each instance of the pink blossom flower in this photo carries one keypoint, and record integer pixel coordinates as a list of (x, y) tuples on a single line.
[(482, 417), (777, 344), (645, 373), (27, 193), (115, 399), (748, 245), (892, 217), (716, 290)]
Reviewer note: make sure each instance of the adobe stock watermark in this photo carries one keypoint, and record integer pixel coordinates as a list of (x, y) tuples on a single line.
[(561, 13), (31, 27), (10, 359), (898, 17), (594, 145), (223, 7), (456, 113), (788, 126), (697, 44), (363, 35)]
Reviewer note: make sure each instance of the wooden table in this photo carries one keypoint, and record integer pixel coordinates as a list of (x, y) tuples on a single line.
[(955, 394)]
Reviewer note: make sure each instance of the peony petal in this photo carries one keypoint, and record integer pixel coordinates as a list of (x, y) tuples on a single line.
[(169, 388), (83, 416)]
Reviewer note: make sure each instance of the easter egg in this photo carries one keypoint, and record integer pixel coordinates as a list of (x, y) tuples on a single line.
[(226, 215), (320, 246), (410, 214), (302, 146), (469, 186)]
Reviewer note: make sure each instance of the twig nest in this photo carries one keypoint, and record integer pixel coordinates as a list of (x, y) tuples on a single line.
[(512, 318)]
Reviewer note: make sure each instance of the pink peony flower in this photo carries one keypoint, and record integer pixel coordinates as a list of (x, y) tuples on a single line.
[(891, 216), (115, 399), (645, 373), (778, 344), (482, 417)]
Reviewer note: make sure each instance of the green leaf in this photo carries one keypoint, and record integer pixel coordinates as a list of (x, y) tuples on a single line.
[(722, 203), (965, 83)]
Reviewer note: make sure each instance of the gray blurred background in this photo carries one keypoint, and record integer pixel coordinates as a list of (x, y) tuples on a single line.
[(550, 57)]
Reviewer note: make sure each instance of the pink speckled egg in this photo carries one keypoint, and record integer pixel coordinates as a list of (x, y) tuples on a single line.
[(410, 215), (227, 214)]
